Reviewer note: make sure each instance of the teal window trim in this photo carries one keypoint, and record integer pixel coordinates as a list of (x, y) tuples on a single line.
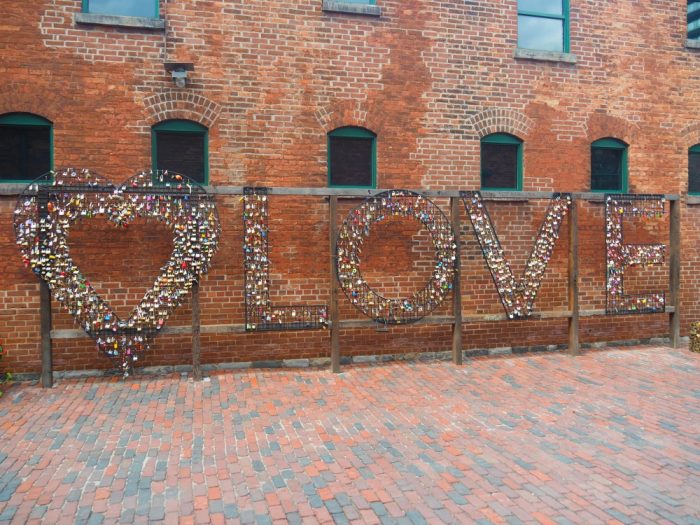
[(694, 19), (693, 150), (186, 127), (616, 144), (508, 139), (29, 120), (356, 133), (564, 17), (86, 8)]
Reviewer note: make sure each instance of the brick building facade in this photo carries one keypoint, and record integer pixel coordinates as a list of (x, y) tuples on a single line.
[(429, 79)]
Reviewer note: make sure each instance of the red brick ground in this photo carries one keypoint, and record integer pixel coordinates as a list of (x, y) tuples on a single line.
[(608, 437)]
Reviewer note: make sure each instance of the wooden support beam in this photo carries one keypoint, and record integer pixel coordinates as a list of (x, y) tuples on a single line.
[(45, 302), (196, 334), (363, 193), (239, 328), (490, 318), (456, 287), (602, 312), (334, 316), (675, 274), (574, 345), (45, 321)]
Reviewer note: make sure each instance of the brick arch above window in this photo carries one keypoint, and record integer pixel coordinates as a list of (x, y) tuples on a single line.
[(501, 120), (344, 113), (21, 98), (181, 106), (691, 134), (601, 125)]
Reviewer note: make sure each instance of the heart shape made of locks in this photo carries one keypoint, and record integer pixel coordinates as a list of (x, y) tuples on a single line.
[(45, 213)]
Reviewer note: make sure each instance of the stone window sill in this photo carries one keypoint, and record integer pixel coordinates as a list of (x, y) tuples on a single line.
[(692, 44), (119, 21), (547, 56), (692, 200), (336, 6)]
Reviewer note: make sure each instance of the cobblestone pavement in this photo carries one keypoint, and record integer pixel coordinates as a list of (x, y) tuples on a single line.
[(607, 437)]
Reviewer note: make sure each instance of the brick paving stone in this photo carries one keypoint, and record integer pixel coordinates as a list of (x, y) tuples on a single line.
[(607, 437)]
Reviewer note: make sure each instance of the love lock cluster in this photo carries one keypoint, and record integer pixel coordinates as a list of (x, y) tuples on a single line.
[(619, 255), (46, 212), (356, 228), (260, 314), (517, 295)]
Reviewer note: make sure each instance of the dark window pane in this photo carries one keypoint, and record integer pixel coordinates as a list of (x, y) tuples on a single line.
[(544, 34), (25, 152), (499, 166), (694, 172), (549, 7), (606, 169), (351, 161), (182, 153), (145, 8)]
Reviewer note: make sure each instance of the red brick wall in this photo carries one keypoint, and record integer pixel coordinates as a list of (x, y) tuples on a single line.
[(430, 78)]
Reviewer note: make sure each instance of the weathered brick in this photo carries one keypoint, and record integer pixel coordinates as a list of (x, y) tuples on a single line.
[(430, 78)]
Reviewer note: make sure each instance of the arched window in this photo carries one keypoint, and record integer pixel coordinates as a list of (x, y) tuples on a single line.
[(26, 147), (501, 162), (609, 165), (181, 146), (694, 170), (352, 158)]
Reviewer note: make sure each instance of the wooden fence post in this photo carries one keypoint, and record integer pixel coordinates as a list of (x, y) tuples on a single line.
[(573, 279), (675, 273), (45, 302), (334, 316), (45, 321), (196, 334), (456, 286)]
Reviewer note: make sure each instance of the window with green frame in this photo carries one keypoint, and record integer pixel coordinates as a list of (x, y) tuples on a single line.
[(139, 8), (181, 146), (26, 147), (694, 170), (352, 158), (609, 165), (366, 2), (694, 19), (543, 25), (501, 162)]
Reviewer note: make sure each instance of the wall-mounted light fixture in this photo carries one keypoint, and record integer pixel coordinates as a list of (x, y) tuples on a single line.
[(179, 70)]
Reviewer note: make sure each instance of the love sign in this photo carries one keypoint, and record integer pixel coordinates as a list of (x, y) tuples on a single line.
[(517, 293), (43, 218), (46, 212)]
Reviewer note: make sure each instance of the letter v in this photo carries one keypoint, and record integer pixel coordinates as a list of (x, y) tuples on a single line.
[(517, 295)]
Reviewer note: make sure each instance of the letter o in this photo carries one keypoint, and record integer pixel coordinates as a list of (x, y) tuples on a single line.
[(355, 230)]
